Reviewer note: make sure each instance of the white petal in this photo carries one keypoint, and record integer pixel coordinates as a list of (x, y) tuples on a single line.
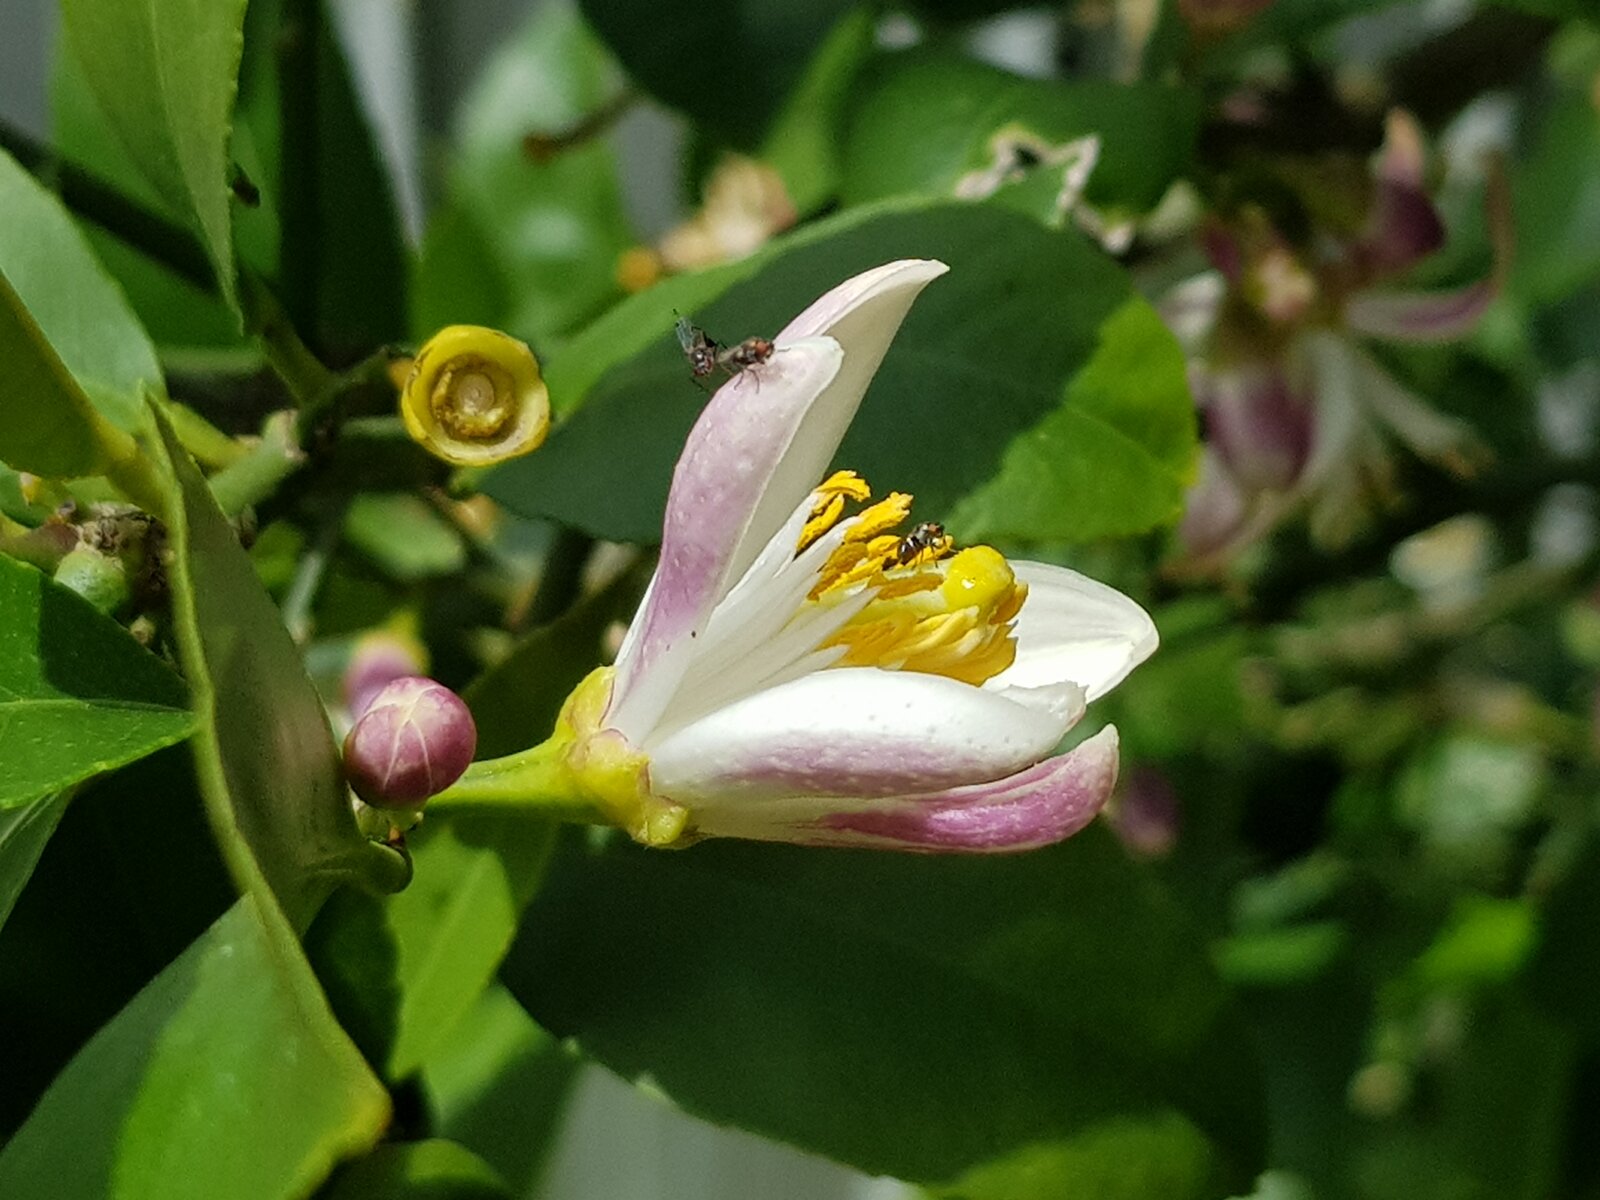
[(736, 446), (1073, 628), (862, 314), (857, 731)]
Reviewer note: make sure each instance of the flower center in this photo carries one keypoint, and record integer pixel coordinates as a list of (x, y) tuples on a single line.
[(473, 399), (934, 609)]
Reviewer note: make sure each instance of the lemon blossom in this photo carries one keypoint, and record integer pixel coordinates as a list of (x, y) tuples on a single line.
[(799, 671)]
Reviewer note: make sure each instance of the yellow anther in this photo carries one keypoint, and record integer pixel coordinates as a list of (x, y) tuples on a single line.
[(951, 617), (846, 483), (885, 514)]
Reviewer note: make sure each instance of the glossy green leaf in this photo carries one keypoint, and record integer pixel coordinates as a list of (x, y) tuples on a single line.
[(176, 311), (226, 1076), (48, 425), (78, 696), (729, 64), (80, 311), (24, 830), (268, 766), (1556, 202), (103, 914), (927, 119), (1114, 458), (431, 1170), (405, 970), (499, 1085), (944, 1021), (165, 73), (805, 143), (1032, 330), (550, 231), (327, 225)]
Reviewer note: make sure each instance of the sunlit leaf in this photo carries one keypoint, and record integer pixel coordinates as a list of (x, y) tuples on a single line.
[(165, 73), (78, 696), (944, 1021), (226, 1076)]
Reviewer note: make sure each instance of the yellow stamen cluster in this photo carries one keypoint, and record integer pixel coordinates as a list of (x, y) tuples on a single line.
[(932, 611)]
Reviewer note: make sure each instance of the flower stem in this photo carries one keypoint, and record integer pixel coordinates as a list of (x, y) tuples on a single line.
[(535, 781)]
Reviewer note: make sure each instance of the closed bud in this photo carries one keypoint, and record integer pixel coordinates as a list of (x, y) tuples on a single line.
[(415, 739), (474, 397)]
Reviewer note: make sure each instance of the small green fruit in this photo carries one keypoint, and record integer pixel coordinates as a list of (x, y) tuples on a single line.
[(99, 578)]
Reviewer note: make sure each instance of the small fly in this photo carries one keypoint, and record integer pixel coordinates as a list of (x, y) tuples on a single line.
[(928, 536), (706, 355)]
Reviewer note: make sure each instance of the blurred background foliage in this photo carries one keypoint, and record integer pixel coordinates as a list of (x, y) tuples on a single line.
[(1283, 316)]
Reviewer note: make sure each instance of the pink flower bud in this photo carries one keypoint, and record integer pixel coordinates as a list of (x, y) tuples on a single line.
[(414, 739), (377, 661)]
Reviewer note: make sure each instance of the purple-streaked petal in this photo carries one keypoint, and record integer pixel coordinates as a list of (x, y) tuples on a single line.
[(1074, 629), (1417, 316), (1035, 807), (1403, 228), (1258, 424), (857, 731), (732, 453), (763, 443), (863, 315)]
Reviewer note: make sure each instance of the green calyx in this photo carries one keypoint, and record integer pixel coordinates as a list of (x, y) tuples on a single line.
[(583, 772)]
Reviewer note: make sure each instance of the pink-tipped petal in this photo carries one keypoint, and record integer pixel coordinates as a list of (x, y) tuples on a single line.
[(732, 454), (857, 731), (1038, 806), (1412, 316), (762, 443)]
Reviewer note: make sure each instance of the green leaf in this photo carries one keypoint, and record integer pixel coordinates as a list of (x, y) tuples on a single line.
[(499, 1084), (928, 118), (729, 65), (1556, 202), (176, 311), (1026, 316), (441, 939), (78, 696), (1115, 458), (226, 1076), (327, 219), (404, 536), (48, 425), (268, 766), (24, 830), (165, 72), (431, 1170), (404, 971), (515, 702), (804, 144), (79, 309), (103, 914), (943, 1021), (551, 230)]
